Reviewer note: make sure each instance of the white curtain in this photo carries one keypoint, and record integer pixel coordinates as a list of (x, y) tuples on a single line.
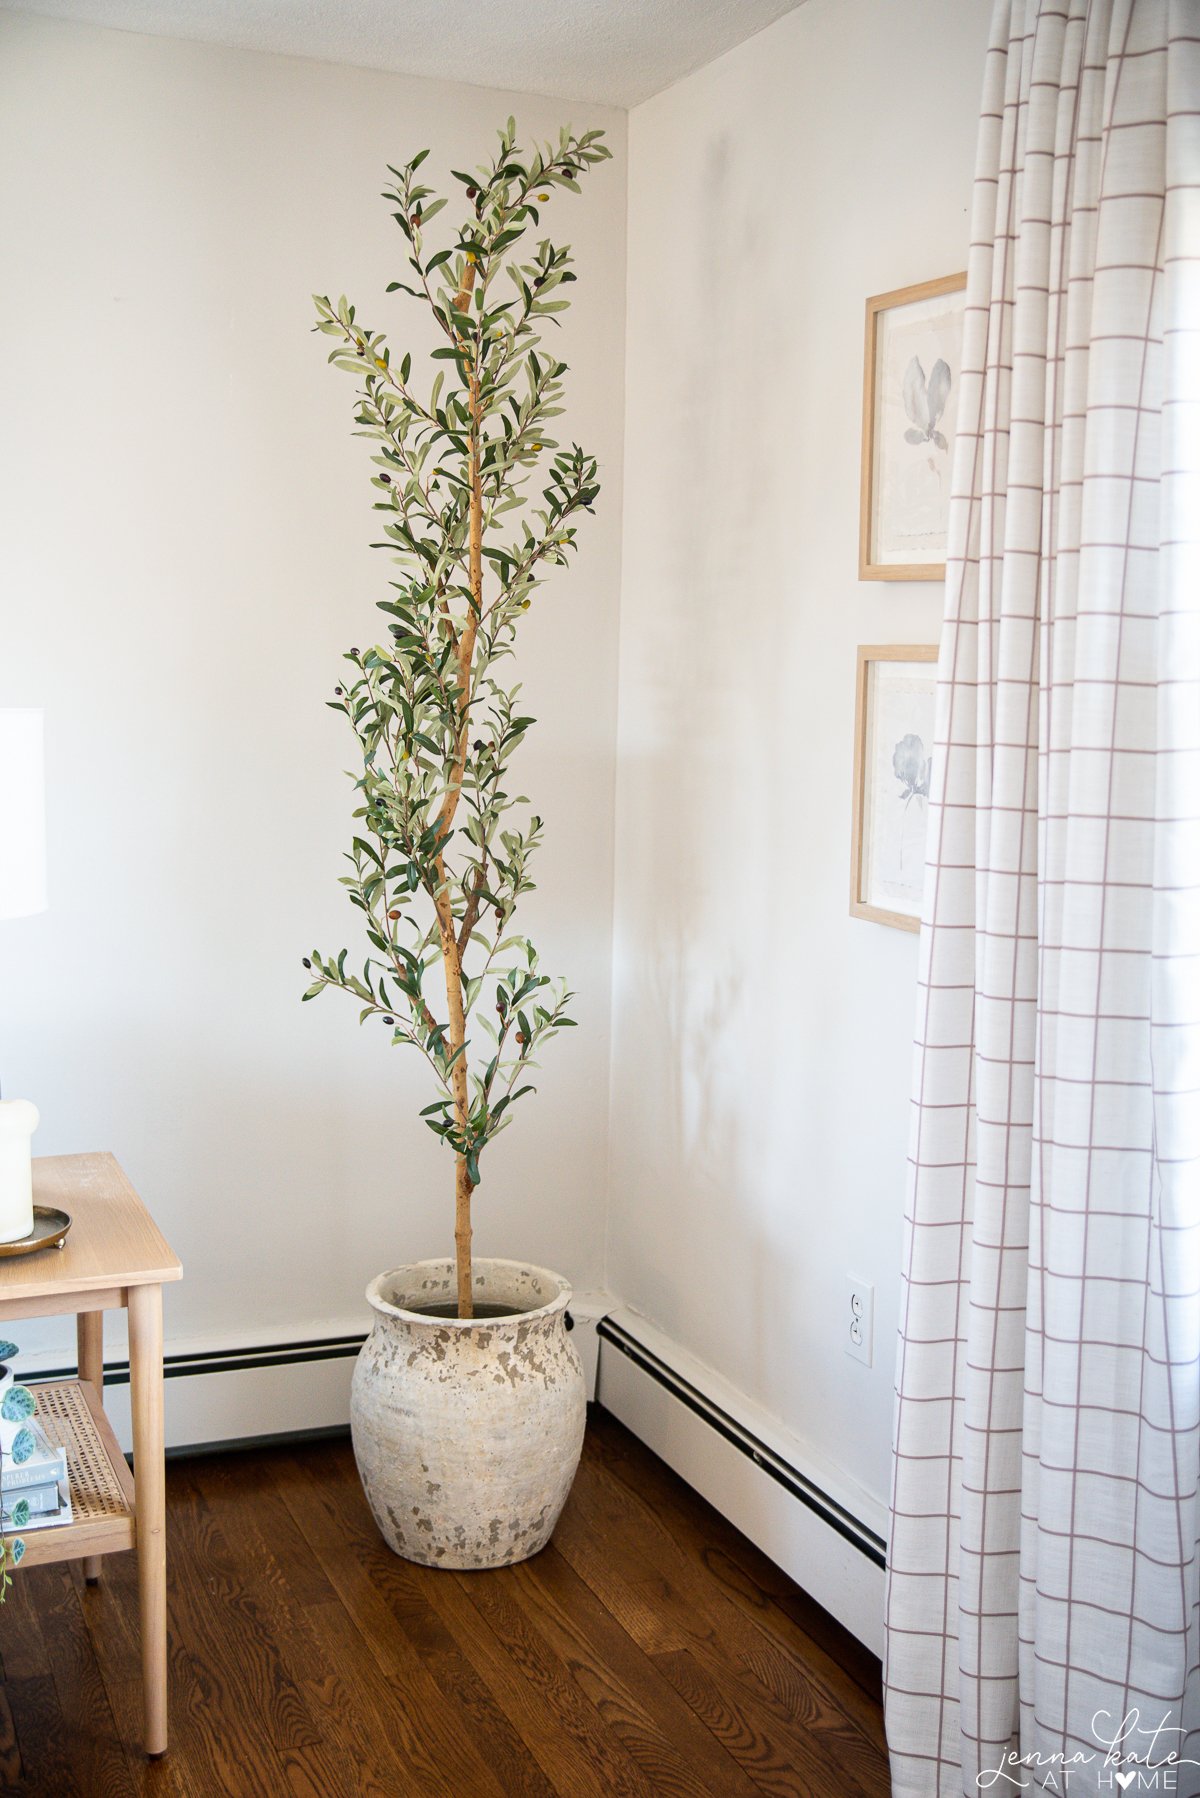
[(1043, 1579)]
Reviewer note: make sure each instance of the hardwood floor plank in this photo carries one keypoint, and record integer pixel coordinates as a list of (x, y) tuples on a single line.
[(380, 1712), (858, 1687), (490, 1727), (440, 1756), (552, 1717), (250, 1694), (10, 1753), (98, 1761), (47, 1760), (22, 1658), (430, 1601), (250, 1482), (775, 1754), (642, 1571), (305, 1619), (658, 1730), (110, 1614), (754, 1582), (519, 1640), (22, 1648), (770, 1741), (487, 1728)]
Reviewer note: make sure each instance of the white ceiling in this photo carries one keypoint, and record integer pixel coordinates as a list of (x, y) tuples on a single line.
[(614, 51)]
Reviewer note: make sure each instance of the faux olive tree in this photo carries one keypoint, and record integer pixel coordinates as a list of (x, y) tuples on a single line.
[(478, 501)]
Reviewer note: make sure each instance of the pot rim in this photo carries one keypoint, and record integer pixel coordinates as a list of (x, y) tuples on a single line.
[(560, 1301)]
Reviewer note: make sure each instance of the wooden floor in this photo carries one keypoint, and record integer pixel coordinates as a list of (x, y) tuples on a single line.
[(649, 1651)]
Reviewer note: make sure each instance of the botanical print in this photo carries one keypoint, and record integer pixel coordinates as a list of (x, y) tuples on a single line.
[(899, 748), (916, 402), (925, 401)]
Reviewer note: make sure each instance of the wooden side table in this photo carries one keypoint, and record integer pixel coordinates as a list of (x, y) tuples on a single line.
[(114, 1256)]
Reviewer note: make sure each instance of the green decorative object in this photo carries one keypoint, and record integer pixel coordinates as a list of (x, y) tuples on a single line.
[(7, 1350), (20, 1513), (23, 1446), (18, 1404), (476, 499)]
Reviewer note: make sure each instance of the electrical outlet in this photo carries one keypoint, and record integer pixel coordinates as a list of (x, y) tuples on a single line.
[(859, 1320)]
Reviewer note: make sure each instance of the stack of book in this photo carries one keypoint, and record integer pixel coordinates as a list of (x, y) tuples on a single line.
[(41, 1482)]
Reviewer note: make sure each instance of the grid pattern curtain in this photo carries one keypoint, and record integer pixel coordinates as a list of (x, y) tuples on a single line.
[(1043, 1562)]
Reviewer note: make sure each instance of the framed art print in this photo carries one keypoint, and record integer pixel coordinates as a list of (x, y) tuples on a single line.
[(893, 746), (912, 364)]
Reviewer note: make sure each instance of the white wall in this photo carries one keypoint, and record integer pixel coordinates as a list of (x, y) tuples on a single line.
[(184, 521), (761, 1044)]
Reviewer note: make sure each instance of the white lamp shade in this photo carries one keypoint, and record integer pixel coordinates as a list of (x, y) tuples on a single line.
[(22, 813)]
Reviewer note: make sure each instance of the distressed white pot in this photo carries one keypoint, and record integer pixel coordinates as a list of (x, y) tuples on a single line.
[(468, 1432)]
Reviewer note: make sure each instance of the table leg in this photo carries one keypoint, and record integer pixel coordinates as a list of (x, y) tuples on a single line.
[(89, 1336), (149, 1475)]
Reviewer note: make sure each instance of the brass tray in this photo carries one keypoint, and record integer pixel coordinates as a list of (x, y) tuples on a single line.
[(50, 1226)]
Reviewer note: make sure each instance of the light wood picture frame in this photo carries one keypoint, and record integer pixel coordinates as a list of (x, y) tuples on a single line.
[(912, 363), (893, 743)]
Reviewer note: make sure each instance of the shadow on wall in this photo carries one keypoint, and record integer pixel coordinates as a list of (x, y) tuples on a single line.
[(703, 840)]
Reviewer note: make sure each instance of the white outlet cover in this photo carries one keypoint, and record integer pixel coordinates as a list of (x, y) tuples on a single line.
[(858, 1320)]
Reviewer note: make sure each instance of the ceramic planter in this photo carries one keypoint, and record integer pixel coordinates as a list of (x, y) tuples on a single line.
[(468, 1433)]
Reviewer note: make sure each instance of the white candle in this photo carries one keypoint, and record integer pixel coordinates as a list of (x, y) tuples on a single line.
[(18, 1121)]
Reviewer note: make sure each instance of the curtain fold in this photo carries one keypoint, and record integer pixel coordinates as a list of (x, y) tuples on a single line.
[(1042, 1582)]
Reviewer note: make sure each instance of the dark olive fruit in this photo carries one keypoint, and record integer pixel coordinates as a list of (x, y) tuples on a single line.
[(389, 1020), (307, 963)]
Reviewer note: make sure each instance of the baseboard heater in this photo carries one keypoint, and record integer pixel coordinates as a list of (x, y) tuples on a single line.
[(241, 1360), (243, 1396), (835, 1516)]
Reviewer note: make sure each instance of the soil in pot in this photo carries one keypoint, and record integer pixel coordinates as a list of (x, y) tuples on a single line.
[(482, 1310)]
